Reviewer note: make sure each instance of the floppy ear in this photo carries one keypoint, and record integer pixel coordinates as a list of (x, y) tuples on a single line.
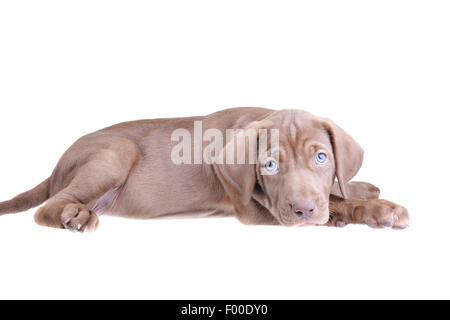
[(239, 180), (348, 155)]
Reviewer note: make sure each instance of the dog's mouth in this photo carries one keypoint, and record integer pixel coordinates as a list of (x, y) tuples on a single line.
[(292, 221)]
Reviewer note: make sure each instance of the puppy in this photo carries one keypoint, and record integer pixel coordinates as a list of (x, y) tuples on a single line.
[(264, 167)]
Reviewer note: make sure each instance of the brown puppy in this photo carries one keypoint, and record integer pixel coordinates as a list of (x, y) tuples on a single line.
[(129, 170)]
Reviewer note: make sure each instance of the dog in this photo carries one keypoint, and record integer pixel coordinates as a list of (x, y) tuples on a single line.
[(139, 170)]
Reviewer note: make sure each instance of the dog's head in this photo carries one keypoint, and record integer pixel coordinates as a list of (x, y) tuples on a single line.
[(295, 186)]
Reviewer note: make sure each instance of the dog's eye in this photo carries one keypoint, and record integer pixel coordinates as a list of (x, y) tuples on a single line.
[(271, 166), (321, 158)]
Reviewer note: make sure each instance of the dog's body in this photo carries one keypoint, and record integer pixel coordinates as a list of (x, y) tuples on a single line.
[(126, 170)]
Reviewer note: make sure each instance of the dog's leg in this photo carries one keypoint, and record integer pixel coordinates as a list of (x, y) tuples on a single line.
[(376, 213), (254, 214), (357, 190), (104, 170)]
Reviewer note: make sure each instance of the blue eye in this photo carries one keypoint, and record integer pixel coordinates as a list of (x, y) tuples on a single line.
[(271, 166), (321, 158)]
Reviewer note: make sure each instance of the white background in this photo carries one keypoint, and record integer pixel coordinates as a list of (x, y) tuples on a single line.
[(380, 69)]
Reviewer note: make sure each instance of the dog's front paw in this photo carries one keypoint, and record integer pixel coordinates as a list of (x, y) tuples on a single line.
[(363, 190), (77, 217), (379, 213)]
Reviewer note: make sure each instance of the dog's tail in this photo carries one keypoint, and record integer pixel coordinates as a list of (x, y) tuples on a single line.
[(27, 200)]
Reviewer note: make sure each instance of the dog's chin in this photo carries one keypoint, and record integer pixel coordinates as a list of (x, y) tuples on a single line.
[(294, 221), (320, 221)]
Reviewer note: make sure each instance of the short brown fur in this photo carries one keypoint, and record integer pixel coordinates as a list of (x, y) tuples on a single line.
[(126, 170)]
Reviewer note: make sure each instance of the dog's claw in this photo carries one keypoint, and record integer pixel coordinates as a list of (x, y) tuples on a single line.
[(340, 224), (77, 217)]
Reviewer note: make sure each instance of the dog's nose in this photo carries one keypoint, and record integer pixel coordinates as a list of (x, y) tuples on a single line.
[(304, 209)]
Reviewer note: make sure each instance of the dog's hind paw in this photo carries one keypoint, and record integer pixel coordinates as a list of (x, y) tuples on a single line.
[(77, 217)]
